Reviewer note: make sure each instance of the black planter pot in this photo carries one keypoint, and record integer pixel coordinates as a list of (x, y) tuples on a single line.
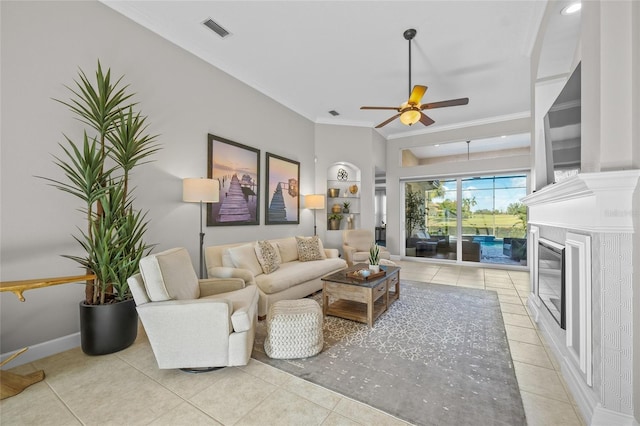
[(105, 329)]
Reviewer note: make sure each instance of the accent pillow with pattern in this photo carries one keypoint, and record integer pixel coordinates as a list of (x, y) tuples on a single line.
[(310, 249), (268, 256)]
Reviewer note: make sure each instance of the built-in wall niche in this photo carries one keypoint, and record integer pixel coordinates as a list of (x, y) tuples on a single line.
[(578, 296), (343, 196)]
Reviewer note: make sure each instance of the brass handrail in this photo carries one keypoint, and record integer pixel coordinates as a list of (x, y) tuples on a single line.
[(18, 287)]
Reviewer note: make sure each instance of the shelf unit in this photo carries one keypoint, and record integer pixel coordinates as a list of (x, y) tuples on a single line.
[(345, 180)]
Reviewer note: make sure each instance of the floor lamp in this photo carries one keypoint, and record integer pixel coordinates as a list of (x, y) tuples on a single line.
[(200, 190), (314, 202)]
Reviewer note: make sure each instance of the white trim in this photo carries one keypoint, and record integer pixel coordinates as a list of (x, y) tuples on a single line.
[(582, 394), (44, 349), (581, 284), (462, 125), (604, 417), (590, 202), (534, 237)]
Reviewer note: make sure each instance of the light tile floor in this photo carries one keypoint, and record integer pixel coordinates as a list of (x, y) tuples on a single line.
[(128, 388)]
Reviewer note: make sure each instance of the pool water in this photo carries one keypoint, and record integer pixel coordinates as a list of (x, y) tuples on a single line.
[(491, 250)]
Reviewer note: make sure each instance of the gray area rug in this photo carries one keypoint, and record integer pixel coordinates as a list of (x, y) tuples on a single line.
[(438, 356)]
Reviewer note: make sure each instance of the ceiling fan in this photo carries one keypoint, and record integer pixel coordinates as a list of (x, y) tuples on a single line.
[(410, 112)]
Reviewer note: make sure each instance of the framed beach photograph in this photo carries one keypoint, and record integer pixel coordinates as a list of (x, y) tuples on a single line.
[(237, 168), (282, 201)]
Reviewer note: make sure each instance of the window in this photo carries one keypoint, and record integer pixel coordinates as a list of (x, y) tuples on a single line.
[(486, 213)]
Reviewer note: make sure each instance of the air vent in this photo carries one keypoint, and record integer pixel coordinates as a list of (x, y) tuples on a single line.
[(216, 28), (334, 112)]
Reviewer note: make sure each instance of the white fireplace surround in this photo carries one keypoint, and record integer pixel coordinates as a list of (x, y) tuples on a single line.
[(592, 202), (593, 212)]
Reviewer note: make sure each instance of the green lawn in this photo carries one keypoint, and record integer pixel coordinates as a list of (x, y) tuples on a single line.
[(500, 225)]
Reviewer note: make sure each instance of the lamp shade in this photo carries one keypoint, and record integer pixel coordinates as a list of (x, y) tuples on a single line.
[(410, 116), (314, 201), (195, 190)]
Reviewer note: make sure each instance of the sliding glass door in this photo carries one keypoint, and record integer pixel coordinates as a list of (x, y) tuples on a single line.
[(482, 215), (431, 218)]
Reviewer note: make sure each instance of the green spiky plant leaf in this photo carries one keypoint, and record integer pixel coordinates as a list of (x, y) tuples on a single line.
[(374, 254), (97, 171)]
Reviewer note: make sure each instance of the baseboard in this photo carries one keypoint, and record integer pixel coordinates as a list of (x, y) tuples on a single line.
[(586, 399), (42, 350), (582, 394), (604, 417)]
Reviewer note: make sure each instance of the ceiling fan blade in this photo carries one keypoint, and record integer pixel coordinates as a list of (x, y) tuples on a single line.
[(373, 107), (416, 94), (441, 104), (424, 119), (384, 123)]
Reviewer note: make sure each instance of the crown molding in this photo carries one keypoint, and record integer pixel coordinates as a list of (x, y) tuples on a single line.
[(480, 122)]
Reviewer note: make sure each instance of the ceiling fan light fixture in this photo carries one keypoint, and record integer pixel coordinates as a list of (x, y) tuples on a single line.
[(410, 112), (410, 116)]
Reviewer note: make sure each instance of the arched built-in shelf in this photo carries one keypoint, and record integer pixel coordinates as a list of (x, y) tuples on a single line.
[(343, 186)]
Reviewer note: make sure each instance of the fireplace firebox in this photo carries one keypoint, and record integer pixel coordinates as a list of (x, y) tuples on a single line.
[(551, 282)]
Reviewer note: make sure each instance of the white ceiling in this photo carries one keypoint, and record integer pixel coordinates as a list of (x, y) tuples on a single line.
[(317, 56)]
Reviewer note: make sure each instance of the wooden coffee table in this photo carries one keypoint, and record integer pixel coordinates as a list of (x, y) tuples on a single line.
[(360, 300)]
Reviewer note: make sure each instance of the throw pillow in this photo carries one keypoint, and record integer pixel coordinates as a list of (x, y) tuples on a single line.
[(169, 275), (309, 249), (268, 256), (288, 249), (244, 256)]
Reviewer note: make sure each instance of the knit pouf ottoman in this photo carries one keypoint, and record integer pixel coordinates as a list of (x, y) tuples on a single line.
[(294, 329)]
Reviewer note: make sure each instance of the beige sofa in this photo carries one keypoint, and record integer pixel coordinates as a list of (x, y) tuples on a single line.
[(293, 279)]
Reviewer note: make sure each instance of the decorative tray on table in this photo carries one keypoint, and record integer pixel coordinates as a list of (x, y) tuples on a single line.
[(361, 274)]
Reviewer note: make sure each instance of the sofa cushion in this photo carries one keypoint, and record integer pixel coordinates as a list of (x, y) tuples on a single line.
[(288, 249), (293, 273), (310, 248), (226, 258), (169, 275), (244, 257), (268, 256), (421, 234)]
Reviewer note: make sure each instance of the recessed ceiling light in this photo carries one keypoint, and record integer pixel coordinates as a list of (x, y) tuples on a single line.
[(437, 144), (503, 136), (334, 112), (572, 8)]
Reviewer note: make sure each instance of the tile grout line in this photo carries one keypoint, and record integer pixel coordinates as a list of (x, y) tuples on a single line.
[(169, 390), (73, 413)]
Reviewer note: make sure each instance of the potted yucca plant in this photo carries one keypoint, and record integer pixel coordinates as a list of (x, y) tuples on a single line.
[(97, 168)]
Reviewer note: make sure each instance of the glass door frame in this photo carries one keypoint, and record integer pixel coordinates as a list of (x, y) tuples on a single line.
[(458, 179)]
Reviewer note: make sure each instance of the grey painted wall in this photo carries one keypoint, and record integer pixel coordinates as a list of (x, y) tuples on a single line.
[(354, 145), (43, 44)]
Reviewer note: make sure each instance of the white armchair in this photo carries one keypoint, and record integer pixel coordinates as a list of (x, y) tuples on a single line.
[(191, 323), (356, 244)]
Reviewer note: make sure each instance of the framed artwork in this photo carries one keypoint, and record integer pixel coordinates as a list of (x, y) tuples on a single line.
[(283, 199), (237, 168)]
